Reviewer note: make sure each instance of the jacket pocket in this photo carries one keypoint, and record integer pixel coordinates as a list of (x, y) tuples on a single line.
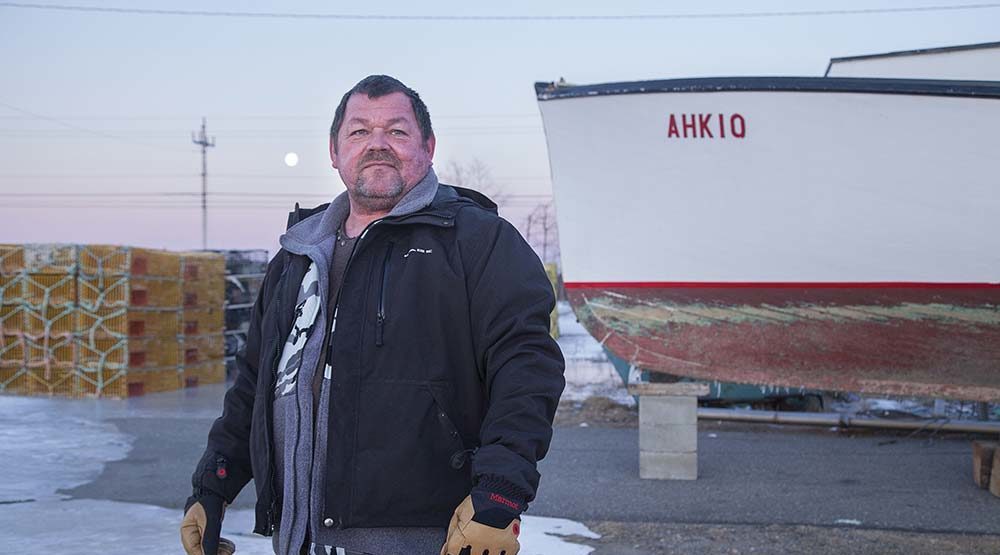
[(406, 445)]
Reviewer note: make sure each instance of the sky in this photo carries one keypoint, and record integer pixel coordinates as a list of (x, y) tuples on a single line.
[(97, 108)]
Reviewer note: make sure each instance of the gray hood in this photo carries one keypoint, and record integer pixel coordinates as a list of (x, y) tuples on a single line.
[(311, 232)]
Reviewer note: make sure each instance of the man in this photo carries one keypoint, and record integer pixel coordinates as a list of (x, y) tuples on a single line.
[(399, 382)]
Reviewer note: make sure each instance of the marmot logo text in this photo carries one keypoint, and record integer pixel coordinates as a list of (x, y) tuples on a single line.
[(418, 251)]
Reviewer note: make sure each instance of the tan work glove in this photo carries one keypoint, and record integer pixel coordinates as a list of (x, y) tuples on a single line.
[(477, 538), (202, 525)]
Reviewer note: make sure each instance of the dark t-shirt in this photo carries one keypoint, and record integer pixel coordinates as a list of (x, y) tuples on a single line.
[(341, 255)]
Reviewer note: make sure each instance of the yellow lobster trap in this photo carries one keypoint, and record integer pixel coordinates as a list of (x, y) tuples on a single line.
[(108, 320)]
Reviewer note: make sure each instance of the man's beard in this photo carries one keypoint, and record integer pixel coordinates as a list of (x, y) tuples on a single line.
[(379, 198)]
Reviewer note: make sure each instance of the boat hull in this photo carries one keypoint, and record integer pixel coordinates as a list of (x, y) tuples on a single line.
[(923, 341)]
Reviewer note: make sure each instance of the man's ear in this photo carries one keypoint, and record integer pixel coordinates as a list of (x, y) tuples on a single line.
[(429, 145), (333, 152)]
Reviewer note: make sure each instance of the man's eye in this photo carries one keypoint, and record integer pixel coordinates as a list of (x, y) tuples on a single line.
[(358, 132), (398, 132)]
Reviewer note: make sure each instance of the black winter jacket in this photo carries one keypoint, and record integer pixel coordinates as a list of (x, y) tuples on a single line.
[(445, 373)]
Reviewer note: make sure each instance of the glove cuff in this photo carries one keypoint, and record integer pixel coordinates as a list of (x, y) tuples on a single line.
[(207, 499), (497, 502)]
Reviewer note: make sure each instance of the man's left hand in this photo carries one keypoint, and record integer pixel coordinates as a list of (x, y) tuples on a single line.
[(482, 524)]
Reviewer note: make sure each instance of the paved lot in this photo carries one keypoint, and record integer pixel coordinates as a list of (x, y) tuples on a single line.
[(753, 474), (760, 486)]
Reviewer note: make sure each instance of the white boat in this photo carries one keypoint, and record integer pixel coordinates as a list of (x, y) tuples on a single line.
[(967, 62), (826, 233)]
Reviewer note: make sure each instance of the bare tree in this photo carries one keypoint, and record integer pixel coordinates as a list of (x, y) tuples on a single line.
[(541, 232), (539, 227), (475, 175)]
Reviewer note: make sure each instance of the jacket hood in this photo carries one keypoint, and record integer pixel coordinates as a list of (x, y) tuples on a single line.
[(311, 226)]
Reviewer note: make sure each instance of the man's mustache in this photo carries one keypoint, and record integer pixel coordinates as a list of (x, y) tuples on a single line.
[(383, 156)]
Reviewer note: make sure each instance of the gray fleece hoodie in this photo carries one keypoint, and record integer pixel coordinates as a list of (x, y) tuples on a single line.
[(300, 453)]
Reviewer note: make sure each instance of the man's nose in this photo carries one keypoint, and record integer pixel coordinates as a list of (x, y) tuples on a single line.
[(378, 140)]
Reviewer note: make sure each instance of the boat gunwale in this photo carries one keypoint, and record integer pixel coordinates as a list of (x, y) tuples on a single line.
[(912, 53), (546, 91)]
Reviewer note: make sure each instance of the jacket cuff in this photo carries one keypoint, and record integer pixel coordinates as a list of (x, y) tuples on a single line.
[(212, 477), (501, 486), (497, 502)]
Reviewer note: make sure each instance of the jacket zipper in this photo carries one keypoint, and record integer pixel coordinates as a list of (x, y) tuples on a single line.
[(332, 322), (380, 319), (270, 413), (327, 353)]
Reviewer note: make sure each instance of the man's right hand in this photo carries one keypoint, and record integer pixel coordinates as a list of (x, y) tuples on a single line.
[(202, 526)]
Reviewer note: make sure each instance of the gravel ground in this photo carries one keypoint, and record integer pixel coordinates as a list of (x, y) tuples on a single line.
[(653, 538), (599, 411)]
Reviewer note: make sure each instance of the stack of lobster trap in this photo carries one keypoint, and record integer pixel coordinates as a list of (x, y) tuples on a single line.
[(107, 320), (202, 342), (245, 271)]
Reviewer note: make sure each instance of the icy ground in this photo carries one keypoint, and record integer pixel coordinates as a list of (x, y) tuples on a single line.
[(50, 444)]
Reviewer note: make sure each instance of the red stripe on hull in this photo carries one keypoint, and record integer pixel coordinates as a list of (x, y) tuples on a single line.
[(928, 341), (805, 294), (773, 285)]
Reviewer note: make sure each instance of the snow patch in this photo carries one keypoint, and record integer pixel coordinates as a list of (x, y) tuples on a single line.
[(93, 527), (545, 536), (47, 450), (916, 407)]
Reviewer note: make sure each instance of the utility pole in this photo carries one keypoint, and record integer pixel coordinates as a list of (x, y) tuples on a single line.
[(204, 142)]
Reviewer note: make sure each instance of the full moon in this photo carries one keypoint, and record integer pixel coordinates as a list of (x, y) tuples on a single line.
[(291, 159)]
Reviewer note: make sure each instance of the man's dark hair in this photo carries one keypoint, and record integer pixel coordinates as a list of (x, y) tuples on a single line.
[(377, 86)]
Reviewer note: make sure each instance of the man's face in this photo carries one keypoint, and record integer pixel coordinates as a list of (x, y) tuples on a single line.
[(380, 153)]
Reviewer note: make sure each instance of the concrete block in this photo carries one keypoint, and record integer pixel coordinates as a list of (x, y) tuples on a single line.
[(668, 410), (995, 474), (654, 465), (982, 462), (671, 438), (678, 389)]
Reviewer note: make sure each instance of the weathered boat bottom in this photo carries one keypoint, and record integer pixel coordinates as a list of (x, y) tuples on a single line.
[(927, 341)]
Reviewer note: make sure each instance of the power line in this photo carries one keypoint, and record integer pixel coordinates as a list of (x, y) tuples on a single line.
[(437, 117), (232, 175), (94, 132), (310, 132), (284, 208), (194, 195), (95, 194), (193, 207), (254, 135), (522, 17), (15, 177)]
